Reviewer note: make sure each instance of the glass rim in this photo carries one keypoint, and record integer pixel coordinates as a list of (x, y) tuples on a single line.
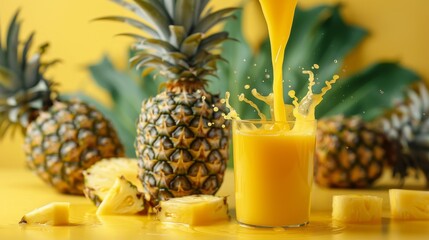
[(259, 121)]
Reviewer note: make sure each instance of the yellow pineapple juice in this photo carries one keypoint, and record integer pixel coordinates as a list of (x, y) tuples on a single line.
[(273, 160), (273, 173)]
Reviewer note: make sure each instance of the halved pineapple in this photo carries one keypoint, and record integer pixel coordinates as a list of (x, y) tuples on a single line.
[(101, 176), (194, 210), (409, 204), (56, 213), (357, 208), (122, 198)]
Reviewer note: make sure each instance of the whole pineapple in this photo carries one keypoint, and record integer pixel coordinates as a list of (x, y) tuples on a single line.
[(182, 138), (352, 153), (62, 138)]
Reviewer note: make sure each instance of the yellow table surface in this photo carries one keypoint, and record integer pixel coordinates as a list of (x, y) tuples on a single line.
[(21, 192)]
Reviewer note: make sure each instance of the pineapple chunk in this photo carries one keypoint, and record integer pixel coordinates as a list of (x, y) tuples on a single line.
[(101, 176), (194, 210), (122, 198), (357, 208), (56, 213), (409, 204)]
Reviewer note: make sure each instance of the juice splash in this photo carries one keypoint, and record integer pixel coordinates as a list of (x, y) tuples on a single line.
[(279, 18)]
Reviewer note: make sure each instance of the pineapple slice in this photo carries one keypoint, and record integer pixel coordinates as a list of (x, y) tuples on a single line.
[(194, 210), (357, 208), (409, 204), (56, 213), (122, 198), (100, 177)]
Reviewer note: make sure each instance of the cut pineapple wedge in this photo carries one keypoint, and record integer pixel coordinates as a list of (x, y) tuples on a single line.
[(409, 204), (56, 213), (122, 198), (101, 176), (357, 208), (194, 210)]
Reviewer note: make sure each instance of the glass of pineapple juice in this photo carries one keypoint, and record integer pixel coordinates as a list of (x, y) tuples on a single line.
[(273, 168)]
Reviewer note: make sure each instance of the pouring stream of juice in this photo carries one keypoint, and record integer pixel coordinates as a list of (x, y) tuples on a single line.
[(279, 17)]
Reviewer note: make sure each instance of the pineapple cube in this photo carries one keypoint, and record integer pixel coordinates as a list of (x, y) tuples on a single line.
[(357, 208), (122, 198), (56, 213), (194, 210), (409, 204)]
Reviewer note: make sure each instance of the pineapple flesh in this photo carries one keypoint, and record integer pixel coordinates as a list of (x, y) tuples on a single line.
[(62, 138), (101, 176), (122, 198), (194, 210), (55, 214), (409, 204), (182, 138), (357, 208)]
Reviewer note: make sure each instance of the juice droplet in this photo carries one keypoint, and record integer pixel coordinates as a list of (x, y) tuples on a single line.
[(210, 124), (335, 61), (216, 109), (316, 66), (247, 86)]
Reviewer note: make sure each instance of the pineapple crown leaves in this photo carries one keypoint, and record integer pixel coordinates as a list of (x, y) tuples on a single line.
[(23, 89), (407, 124), (175, 38)]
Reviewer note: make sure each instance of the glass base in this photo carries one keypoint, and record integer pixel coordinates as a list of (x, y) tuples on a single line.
[(271, 227)]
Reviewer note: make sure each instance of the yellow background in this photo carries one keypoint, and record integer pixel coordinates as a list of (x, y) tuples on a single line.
[(398, 32)]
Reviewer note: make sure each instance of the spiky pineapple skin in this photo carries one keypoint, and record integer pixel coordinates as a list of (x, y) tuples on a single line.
[(182, 144), (67, 139), (349, 153)]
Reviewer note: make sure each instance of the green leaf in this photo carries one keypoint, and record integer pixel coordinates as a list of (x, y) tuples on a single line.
[(207, 22), (170, 6), (12, 41), (177, 35), (183, 18), (135, 23), (326, 40), (213, 41), (190, 45), (368, 93), (31, 74), (156, 17), (25, 50), (2, 52), (201, 5)]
